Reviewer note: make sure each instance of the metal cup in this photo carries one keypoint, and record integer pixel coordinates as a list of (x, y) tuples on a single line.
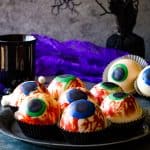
[(17, 58)]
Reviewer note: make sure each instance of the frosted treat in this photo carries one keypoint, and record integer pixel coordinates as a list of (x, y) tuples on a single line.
[(38, 109), (142, 84), (82, 116), (103, 89), (38, 115), (121, 108), (74, 94), (124, 72), (21, 91), (63, 82)]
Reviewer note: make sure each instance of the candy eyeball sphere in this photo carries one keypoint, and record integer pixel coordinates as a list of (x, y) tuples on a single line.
[(124, 72), (142, 84)]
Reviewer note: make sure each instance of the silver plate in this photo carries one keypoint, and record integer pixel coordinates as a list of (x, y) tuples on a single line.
[(9, 127)]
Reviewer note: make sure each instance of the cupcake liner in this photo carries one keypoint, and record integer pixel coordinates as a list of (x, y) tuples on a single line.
[(13, 108), (126, 129), (136, 58), (137, 89), (39, 131), (85, 138)]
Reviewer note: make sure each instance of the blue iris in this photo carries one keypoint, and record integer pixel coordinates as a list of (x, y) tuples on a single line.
[(118, 74), (82, 109), (75, 94), (146, 76), (28, 87)]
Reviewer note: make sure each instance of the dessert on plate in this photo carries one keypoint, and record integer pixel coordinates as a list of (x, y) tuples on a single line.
[(38, 115), (124, 71), (63, 82), (74, 94), (23, 90), (103, 89), (123, 110), (82, 122), (142, 83)]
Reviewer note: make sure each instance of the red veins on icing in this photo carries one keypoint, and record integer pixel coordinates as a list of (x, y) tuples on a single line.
[(71, 125), (92, 123), (63, 106), (100, 95), (97, 122), (49, 117), (128, 106)]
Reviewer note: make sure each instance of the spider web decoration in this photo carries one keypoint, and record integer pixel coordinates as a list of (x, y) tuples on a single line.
[(64, 4)]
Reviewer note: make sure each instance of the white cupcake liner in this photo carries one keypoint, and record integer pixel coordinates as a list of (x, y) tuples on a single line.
[(138, 59), (136, 88)]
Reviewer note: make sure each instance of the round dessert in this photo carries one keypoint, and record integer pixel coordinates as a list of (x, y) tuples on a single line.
[(123, 72), (63, 82), (103, 89), (38, 115), (121, 108), (82, 121), (21, 91), (142, 84), (74, 94)]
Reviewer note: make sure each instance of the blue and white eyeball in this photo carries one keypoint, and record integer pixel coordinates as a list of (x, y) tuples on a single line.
[(81, 109), (75, 94), (28, 86), (142, 84)]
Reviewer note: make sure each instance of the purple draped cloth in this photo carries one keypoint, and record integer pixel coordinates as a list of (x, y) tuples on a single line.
[(80, 58)]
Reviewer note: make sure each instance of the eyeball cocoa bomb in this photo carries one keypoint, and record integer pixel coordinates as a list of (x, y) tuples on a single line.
[(142, 84), (63, 82), (74, 94), (124, 72), (103, 89)]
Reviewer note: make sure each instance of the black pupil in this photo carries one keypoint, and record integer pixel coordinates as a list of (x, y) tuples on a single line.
[(118, 74), (119, 95), (77, 94), (34, 106), (81, 107), (109, 84)]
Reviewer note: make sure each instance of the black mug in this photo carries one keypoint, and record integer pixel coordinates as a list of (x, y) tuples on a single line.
[(17, 59)]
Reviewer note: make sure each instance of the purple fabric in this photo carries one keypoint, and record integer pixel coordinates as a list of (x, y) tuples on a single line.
[(2, 87), (80, 58)]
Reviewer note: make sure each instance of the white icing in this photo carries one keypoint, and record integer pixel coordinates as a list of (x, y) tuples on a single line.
[(5, 100), (95, 122), (120, 116)]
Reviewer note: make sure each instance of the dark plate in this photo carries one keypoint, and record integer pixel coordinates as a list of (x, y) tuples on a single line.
[(9, 127)]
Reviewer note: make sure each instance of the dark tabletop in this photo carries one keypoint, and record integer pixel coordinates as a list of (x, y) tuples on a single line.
[(7, 143)]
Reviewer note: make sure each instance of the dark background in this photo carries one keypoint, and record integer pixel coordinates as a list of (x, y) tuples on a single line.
[(34, 16)]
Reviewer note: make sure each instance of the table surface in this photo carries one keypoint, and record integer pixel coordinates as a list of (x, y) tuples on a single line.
[(8, 143)]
